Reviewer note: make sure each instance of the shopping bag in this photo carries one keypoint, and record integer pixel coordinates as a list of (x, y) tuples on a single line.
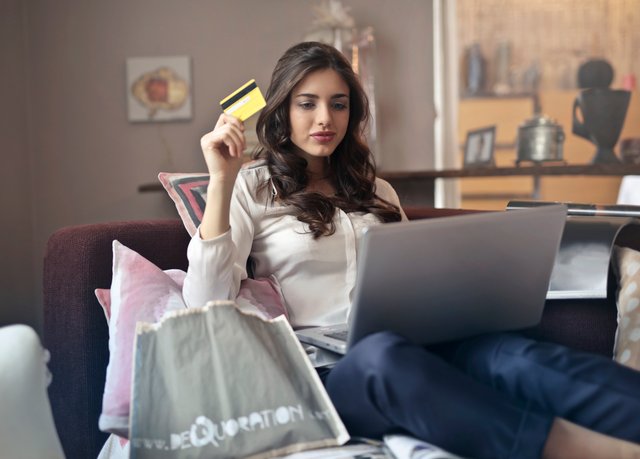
[(218, 382)]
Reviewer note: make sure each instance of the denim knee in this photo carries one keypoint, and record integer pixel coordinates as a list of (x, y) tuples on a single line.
[(375, 351), (352, 383)]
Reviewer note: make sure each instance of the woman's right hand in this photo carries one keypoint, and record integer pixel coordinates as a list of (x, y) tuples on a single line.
[(223, 148)]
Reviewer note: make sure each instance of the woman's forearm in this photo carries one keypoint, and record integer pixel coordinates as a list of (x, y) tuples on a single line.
[(215, 220)]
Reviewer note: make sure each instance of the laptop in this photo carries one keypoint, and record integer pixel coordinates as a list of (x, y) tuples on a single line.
[(444, 279)]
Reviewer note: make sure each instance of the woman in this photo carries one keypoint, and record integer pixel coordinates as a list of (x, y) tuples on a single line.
[(297, 215)]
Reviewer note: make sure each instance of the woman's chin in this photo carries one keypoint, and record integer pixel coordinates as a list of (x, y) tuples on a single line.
[(317, 152)]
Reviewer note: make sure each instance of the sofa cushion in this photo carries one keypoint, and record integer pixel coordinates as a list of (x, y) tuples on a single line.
[(627, 343)]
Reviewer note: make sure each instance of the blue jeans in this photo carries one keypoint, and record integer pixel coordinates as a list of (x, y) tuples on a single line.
[(493, 396)]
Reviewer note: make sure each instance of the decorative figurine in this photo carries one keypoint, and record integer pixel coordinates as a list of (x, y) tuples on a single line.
[(603, 110), (475, 70)]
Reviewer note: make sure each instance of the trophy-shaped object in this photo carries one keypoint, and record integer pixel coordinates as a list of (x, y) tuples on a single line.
[(603, 110)]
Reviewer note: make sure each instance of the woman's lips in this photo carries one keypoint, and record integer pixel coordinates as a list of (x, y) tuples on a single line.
[(323, 137)]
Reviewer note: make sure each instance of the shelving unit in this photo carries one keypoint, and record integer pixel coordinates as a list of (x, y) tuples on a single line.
[(493, 190), (416, 188)]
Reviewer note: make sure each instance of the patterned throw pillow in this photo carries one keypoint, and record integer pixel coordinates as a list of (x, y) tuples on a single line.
[(189, 194), (627, 344)]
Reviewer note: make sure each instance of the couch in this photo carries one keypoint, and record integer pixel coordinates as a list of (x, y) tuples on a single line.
[(78, 260)]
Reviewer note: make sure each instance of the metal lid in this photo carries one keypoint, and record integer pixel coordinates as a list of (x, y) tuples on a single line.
[(539, 120)]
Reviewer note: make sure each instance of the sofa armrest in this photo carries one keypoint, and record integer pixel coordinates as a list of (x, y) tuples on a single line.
[(77, 261)]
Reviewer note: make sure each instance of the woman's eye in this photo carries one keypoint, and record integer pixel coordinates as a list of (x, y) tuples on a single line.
[(340, 106), (306, 105)]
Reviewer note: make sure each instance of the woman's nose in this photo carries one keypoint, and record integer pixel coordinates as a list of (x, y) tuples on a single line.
[(324, 117)]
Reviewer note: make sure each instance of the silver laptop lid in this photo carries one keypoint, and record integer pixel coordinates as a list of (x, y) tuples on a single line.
[(449, 278)]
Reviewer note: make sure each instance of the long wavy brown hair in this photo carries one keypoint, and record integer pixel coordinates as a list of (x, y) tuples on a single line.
[(351, 166)]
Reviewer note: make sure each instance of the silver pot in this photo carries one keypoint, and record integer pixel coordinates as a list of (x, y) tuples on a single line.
[(540, 139)]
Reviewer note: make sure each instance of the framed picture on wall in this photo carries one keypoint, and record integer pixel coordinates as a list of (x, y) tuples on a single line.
[(479, 146), (159, 88)]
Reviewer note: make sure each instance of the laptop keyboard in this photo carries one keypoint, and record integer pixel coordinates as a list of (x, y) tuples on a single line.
[(339, 335)]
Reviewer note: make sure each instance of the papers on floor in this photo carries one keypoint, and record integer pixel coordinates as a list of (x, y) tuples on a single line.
[(404, 447), (393, 447), (350, 451)]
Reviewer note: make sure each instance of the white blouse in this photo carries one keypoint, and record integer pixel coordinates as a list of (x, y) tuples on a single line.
[(316, 277)]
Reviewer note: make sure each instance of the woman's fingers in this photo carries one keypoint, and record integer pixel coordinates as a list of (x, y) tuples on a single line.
[(229, 119), (236, 131), (230, 135), (224, 146), (236, 137)]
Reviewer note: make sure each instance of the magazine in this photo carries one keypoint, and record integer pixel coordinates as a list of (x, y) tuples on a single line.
[(392, 447), (369, 450), (404, 447)]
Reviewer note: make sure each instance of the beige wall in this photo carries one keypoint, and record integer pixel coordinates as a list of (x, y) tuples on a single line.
[(17, 275), (86, 160)]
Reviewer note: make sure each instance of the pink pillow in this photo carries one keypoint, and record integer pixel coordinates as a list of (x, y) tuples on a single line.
[(104, 294), (262, 297), (104, 298), (140, 292)]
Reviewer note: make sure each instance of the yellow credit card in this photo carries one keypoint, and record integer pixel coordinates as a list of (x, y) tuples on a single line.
[(244, 102)]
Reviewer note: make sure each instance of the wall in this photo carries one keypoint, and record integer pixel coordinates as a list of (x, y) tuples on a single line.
[(88, 160), (17, 277)]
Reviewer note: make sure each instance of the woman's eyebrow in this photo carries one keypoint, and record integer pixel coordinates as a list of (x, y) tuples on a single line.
[(315, 96)]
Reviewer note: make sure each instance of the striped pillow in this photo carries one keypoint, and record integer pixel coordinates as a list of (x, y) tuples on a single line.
[(189, 194)]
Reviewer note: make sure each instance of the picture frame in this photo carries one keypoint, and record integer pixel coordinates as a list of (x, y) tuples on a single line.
[(479, 147), (159, 88)]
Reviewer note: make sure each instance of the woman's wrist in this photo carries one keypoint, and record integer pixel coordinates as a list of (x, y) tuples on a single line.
[(220, 183)]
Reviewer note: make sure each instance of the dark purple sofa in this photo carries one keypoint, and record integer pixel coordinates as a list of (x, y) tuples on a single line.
[(78, 260)]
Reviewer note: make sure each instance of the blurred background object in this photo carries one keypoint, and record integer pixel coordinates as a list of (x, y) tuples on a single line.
[(475, 70), (602, 111), (595, 73), (630, 150)]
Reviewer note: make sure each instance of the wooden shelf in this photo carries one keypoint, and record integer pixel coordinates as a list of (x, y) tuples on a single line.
[(531, 171), (417, 188)]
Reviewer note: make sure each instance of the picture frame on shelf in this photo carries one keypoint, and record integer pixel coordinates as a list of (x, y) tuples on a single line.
[(479, 147)]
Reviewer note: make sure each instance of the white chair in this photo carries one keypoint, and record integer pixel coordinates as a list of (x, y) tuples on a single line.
[(27, 429), (629, 190)]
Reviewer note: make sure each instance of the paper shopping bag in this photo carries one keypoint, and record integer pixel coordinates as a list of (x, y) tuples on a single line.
[(216, 382)]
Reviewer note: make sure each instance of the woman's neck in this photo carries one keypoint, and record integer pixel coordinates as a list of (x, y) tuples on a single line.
[(317, 169), (319, 180)]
